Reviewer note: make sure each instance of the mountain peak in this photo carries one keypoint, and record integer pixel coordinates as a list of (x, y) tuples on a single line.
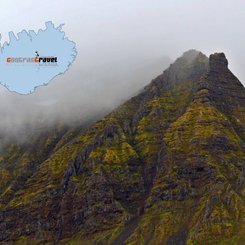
[(190, 66), (191, 54), (218, 61)]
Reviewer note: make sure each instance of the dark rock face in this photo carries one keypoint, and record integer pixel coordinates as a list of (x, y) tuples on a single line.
[(218, 62), (166, 167)]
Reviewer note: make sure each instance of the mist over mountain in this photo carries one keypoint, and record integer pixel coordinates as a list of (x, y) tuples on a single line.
[(80, 94), (121, 45)]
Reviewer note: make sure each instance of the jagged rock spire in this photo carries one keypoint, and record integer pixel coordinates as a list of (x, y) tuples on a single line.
[(218, 61)]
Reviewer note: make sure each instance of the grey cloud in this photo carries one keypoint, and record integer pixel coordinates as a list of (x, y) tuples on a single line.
[(121, 46)]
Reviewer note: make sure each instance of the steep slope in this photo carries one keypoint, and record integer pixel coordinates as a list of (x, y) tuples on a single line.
[(198, 193), (166, 167)]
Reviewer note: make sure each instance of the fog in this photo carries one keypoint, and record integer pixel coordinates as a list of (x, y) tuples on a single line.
[(122, 45)]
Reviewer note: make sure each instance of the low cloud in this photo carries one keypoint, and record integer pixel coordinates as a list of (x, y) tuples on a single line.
[(121, 46)]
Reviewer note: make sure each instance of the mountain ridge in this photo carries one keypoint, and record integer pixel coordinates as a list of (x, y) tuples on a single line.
[(166, 167)]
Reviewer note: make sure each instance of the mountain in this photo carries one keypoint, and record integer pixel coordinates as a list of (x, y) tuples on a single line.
[(166, 167)]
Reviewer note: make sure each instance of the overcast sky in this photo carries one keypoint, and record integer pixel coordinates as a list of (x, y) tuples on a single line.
[(104, 29), (121, 45)]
